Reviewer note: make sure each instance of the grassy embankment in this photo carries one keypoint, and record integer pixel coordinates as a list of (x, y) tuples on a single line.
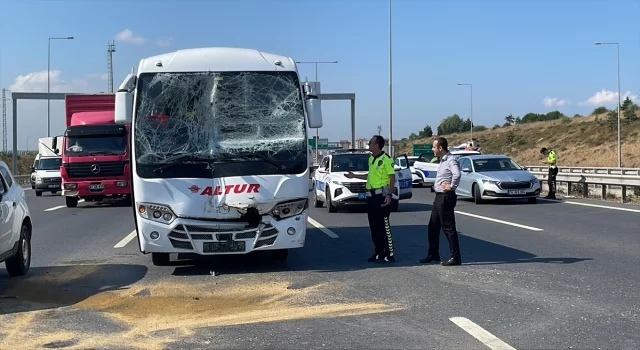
[(579, 141)]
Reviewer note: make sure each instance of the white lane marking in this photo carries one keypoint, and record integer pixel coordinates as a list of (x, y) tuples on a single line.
[(126, 240), (322, 228), (592, 205), (500, 221), (488, 339), (61, 206)]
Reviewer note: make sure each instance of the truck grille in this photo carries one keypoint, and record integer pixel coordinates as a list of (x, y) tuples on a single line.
[(52, 179), (94, 169), (356, 187), (520, 185)]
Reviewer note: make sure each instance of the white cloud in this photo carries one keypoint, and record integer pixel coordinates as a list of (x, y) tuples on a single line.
[(553, 102), (32, 114), (37, 82), (164, 42), (128, 37), (101, 76), (606, 97)]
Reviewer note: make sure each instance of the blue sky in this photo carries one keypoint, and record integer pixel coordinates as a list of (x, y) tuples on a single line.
[(515, 53)]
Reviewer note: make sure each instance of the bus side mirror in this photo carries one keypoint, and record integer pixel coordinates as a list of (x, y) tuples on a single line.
[(124, 100), (124, 107), (313, 106)]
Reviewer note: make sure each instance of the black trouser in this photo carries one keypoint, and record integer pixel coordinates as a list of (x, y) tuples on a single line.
[(442, 216), (379, 225), (552, 181)]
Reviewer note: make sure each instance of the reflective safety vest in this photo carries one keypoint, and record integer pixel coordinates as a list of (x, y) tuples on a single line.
[(552, 157), (380, 168)]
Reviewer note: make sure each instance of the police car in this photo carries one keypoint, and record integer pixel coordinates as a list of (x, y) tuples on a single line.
[(417, 177), (330, 186)]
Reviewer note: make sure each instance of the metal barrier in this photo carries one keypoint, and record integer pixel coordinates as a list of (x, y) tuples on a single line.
[(622, 177), (23, 180)]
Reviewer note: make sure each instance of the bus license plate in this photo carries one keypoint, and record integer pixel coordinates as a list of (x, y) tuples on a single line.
[(224, 247), (96, 187)]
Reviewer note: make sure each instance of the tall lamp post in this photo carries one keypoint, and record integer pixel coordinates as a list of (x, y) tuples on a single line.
[(619, 104), (49, 82), (471, 107), (391, 148), (316, 63)]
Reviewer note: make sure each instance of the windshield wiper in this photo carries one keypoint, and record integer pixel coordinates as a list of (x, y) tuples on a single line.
[(253, 156), (184, 159)]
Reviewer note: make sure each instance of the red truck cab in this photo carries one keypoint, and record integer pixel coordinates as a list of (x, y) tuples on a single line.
[(95, 150)]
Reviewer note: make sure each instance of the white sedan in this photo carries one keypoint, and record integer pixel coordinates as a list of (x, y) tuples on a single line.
[(15, 225), (487, 177)]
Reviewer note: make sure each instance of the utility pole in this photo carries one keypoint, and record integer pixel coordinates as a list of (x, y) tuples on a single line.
[(619, 104), (391, 150), (4, 120), (49, 82), (111, 48)]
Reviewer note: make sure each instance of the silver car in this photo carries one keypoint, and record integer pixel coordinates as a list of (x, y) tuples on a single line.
[(486, 177)]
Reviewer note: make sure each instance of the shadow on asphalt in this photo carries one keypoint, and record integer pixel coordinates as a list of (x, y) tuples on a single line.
[(404, 207), (57, 286), (522, 202), (350, 252), (106, 203)]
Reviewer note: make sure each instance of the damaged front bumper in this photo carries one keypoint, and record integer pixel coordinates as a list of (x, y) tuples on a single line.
[(222, 237)]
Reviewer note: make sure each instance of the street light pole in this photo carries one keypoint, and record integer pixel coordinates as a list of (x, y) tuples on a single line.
[(49, 82), (317, 129), (471, 108), (619, 104), (391, 148)]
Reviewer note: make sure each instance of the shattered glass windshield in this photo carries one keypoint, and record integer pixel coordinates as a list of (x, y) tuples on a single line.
[(95, 145), (228, 124)]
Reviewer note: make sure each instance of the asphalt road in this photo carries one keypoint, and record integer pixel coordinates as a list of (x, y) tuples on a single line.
[(550, 276)]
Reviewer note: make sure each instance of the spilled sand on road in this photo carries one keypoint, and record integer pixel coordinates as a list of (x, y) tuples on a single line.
[(161, 313)]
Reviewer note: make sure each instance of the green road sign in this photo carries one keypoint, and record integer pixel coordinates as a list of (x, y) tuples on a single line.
[(422, 149), (323, 144)]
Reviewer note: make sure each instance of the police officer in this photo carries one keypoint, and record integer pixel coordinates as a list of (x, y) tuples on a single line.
[(380, 184), (442, 214), (552, 160)]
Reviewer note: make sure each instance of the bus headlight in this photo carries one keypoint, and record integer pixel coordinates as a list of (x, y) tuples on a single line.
[(289, 208), (156, 212)]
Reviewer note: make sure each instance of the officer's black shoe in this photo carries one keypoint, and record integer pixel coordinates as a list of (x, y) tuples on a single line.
[(375, 258), (430, 258), (452, 262), (387, 259)]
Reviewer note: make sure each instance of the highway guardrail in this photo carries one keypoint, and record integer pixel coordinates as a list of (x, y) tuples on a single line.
[(604, 177)]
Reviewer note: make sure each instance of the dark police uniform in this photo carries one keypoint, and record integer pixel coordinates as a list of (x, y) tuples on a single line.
[(380, 167), (552, 159)]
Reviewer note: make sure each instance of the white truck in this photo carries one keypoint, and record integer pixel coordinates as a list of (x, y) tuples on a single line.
[(45, 172), (219, 156)]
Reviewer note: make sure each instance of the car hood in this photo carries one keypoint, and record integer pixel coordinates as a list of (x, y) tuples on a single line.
[(340, 176), (507, 176), (48, 173)]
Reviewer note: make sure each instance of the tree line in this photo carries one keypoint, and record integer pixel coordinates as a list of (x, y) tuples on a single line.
[(455, 124)]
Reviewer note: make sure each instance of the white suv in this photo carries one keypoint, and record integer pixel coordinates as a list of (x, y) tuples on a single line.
[(15, 225)]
